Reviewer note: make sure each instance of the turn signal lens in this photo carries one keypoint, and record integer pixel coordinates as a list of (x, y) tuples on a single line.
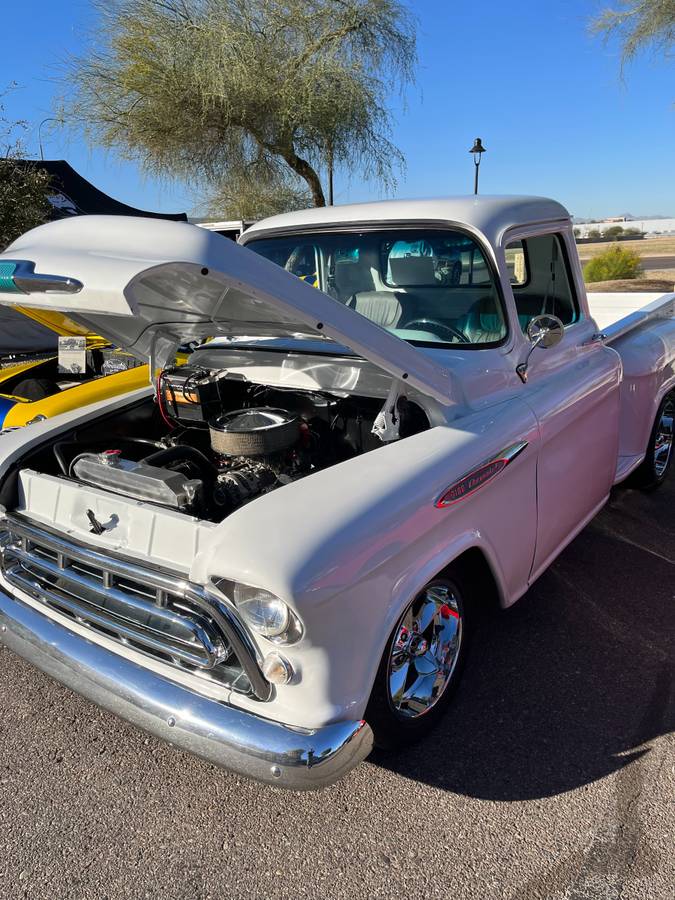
[(276, 669)]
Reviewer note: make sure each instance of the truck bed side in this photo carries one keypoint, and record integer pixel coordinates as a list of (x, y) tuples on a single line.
[(617, 314), (641, 329)]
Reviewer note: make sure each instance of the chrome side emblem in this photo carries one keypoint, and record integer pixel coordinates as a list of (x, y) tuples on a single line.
[(18, 276), (480, 476)]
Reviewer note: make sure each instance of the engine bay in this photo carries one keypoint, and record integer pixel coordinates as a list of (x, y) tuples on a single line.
[(211, 441)]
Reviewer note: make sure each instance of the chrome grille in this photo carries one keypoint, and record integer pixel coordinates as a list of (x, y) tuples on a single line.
[(154, 612)]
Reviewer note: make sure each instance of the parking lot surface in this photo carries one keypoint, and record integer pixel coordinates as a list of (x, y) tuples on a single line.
[(553, 777)]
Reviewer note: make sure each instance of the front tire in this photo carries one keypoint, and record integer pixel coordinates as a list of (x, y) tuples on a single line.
[(653, 470), (421, 665)]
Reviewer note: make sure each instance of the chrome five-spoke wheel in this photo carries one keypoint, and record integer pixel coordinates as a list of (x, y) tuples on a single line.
[(422, 662), (663, 440), (424, 651), (652, 471)]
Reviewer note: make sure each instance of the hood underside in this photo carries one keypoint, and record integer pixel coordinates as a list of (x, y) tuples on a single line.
[(61, 324), (149, 286)]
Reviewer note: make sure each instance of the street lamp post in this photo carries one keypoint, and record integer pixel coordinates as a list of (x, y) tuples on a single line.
[(478, 149), (48, 119)]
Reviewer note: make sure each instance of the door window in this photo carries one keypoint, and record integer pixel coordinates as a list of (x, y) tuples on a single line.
[(541, 279)]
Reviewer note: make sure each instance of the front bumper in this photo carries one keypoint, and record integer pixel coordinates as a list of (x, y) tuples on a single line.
[(240, 741)]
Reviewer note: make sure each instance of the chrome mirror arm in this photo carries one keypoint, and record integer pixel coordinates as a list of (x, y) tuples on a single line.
[(521, 368), (544, 331)]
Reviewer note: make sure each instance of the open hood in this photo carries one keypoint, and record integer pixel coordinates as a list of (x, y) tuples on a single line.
[(149, 286), (61, 324)]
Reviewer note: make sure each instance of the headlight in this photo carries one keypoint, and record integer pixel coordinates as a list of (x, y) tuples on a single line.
[(263, 612)]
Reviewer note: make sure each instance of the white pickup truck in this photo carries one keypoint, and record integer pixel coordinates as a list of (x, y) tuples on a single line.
[(273, 556)]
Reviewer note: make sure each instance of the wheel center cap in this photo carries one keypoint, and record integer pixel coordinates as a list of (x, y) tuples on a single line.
[(420, 647)]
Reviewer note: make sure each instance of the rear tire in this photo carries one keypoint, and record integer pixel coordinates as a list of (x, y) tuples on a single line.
[(421, 665), (653, 470)]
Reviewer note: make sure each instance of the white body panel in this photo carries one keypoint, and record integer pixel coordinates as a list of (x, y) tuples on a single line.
[(349, 546)]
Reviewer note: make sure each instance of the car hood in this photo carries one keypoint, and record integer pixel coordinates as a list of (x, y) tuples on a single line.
[(61, 324), (150, 285)]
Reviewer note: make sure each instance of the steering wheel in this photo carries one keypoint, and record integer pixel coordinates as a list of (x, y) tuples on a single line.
[(437, 327)]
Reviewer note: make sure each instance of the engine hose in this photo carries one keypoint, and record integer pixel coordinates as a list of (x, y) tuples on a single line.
[(65, 468), (181, 452)]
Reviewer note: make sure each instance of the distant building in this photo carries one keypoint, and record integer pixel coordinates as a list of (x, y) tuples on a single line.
[(646, 226), (231, 229)]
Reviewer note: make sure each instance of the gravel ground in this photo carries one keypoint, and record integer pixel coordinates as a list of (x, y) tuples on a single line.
[(553, 777)]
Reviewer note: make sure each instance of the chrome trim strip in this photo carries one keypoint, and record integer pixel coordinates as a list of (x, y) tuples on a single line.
[(218, 732), (28, 281), (225, 616), (480, 475)]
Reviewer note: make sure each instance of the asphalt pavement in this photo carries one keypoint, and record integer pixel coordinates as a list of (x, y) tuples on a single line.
[(553, 777), (652, 263)]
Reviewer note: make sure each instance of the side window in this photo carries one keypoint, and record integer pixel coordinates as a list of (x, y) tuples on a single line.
[(516, 263), (541, 279), (302, 262)]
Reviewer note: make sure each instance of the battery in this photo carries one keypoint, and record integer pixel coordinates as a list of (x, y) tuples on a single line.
[(190, 394)]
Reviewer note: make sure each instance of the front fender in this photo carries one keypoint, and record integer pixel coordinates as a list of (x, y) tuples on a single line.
[(349, 546)]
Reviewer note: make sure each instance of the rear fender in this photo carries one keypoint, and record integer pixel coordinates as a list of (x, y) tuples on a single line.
[(648, 357)]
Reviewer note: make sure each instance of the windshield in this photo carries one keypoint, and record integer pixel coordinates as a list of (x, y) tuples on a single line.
[(427, 286)]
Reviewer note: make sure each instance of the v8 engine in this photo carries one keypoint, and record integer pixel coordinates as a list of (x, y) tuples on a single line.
[(216, 442)]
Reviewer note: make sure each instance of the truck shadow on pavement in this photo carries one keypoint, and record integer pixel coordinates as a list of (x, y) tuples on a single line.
[(574, 681)]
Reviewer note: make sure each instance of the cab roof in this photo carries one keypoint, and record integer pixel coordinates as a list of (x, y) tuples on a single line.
[(491, 215)]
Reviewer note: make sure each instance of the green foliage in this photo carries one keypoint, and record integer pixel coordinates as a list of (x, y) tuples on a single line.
[(254, 98), (612, 264), (576, 232), (242, 197), (639, 25), (613, 231), (24, 189), (594, 234), (632, 231)]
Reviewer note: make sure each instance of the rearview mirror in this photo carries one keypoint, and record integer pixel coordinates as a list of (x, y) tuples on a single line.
[(543, 331)]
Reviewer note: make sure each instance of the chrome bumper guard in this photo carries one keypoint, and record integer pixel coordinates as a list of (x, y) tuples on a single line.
[(222, 734)]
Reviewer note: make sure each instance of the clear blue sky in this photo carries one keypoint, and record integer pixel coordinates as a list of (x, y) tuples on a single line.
[(545, 96)]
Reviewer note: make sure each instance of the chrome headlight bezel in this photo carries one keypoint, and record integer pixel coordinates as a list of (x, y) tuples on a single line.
[(265, 614)]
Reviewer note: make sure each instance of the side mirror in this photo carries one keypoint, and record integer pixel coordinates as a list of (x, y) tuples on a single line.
[(543, 331)]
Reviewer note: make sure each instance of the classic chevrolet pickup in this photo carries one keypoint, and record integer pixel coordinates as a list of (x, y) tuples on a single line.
[(273, 556)]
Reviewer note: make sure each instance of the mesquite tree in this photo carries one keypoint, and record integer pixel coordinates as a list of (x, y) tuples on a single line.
[(256, 98), (24, 190), (639, 25)]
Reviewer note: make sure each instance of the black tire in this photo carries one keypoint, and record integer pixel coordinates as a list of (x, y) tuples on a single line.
[(35, 388), (392, 727), (653, 470)]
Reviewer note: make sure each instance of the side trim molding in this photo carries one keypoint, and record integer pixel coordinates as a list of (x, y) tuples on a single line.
[(480, 476), (18, 276)]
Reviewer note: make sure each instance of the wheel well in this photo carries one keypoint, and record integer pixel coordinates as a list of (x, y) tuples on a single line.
[(475, 570)]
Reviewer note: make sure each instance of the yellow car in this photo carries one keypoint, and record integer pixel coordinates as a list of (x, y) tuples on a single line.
[(36, 390)]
